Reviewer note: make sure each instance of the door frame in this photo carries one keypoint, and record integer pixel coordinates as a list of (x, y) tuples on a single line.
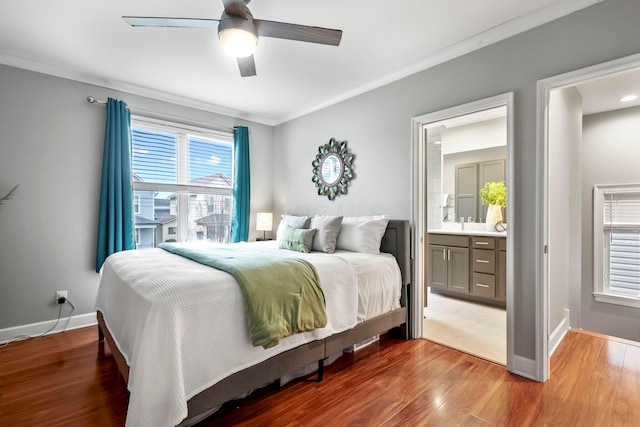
[(544, 87), (419, 206)]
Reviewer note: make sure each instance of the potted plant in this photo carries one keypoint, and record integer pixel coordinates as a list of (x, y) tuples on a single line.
[(494, 194)]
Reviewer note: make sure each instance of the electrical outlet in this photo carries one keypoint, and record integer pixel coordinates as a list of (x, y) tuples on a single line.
[(61, 297)]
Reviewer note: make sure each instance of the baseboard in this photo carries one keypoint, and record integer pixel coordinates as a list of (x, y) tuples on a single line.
[(524, 367), (35, 329), (559, 333)]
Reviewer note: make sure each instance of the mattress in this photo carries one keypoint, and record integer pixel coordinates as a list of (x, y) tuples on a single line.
[(172, 315)]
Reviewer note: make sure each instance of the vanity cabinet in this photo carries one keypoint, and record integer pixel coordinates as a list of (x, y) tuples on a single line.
[(448, 267), (501, 291), (483, 262), (472, 267)]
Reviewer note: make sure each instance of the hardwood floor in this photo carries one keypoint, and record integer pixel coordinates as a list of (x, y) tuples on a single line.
[(69, 379)]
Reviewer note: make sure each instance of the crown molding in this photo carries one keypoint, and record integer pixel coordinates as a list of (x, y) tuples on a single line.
[(488, 37), (76, 75), (493, 35)]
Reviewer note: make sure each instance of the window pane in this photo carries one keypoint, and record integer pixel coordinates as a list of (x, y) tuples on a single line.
[(154, 156), (210, 217), (624, 262), (145, 222), (209, 162)]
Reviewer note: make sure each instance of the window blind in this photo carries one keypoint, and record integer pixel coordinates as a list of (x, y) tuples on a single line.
[(622, 211), (622, 227)]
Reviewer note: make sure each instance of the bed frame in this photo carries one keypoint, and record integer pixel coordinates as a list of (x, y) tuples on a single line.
[(396, 241)]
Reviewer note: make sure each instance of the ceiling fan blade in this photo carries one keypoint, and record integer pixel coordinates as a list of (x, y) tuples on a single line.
[(146, 21), (247, 66), (235, 7), (303, 33)]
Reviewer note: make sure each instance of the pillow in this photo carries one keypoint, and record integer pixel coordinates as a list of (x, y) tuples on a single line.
[(327, 235), (293, 222), (297, 239), (362, 233)]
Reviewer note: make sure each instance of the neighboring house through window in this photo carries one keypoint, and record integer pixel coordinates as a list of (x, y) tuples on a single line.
[(182, 177), (136, 204), (617, 244)]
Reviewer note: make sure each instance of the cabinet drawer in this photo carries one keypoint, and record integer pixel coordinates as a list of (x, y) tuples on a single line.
[(480, 242), (449, 240), (484, 285), (484, 261), (502, 243)]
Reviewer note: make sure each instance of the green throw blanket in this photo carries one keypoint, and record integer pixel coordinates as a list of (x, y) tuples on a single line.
[(282, 295)]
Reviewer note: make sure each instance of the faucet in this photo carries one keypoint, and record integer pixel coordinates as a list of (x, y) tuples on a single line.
[(462, 222)]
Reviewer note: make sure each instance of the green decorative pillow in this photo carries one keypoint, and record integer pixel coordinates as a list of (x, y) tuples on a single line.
[(297, 239)]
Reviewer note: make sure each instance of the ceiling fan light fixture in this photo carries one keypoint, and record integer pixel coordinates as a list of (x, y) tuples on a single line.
[(238, 42)]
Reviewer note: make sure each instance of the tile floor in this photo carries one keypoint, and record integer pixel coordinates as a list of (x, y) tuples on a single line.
[(471, 327)]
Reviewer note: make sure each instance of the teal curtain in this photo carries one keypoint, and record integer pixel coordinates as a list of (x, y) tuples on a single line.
[(116, 223), (242, 185)]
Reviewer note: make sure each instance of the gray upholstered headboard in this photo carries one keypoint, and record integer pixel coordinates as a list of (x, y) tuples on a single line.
[(397, 241)]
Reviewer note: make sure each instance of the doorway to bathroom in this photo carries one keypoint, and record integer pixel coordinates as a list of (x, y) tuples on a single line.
[(461, 261)]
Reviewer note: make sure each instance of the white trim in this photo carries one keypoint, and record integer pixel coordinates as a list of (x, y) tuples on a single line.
[(34, 329), (418, 202), (80, 76), (544, 87), (560, 332), (524, 367), (541, 241), (493, 35), (500, 32), (628, 301)]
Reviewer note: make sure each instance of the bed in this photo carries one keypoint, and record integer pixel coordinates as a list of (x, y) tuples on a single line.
[(165, 353)]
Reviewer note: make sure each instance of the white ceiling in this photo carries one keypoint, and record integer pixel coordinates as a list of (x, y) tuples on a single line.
[(603, 94), (382, 42)]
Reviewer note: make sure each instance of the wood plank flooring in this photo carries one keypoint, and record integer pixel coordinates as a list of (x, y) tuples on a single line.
[(69, 379)]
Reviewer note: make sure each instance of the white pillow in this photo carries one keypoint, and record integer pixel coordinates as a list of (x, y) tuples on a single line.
[(362, 233), (293, 222), (328, 228)]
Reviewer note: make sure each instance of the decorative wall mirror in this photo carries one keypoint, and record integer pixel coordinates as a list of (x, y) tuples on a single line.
[(333, 168)]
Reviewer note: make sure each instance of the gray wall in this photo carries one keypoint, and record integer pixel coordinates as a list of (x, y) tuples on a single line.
[(565, 207), (51, 145), (377, 125), (610, 153)]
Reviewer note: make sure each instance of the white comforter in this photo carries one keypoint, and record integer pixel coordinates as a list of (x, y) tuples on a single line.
[(181, 327)]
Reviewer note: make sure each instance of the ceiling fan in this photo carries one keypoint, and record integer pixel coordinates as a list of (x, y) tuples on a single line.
[(238, 31)]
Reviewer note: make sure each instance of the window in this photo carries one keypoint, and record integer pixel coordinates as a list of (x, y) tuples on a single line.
[(617, 244), (182, 181), (136, 204)]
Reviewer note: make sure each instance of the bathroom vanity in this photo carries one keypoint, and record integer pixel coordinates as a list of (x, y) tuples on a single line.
[(468, 264)]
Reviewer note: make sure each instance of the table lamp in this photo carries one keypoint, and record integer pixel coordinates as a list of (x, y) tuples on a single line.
[(264, 223)]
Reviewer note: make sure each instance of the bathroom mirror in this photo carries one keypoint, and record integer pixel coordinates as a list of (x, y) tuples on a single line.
[(333, 169)]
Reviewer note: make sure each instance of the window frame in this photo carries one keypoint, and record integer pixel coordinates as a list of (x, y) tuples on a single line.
[(183, 131), (601, 288)]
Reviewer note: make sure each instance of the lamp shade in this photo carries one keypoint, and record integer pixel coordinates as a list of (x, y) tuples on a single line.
[(264, 221)]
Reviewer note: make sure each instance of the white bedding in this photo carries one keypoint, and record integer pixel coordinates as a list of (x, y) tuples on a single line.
[(185, 320)]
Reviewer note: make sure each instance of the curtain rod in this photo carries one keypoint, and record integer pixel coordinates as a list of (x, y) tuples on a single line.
[(93, 100)]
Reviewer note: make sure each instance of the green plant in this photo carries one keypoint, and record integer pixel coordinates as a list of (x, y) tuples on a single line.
[(494, 193)]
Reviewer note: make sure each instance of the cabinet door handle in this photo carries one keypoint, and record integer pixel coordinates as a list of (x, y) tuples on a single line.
[(482, 243), (483, 261), (449, 254), (444, 254), (481, 285)]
